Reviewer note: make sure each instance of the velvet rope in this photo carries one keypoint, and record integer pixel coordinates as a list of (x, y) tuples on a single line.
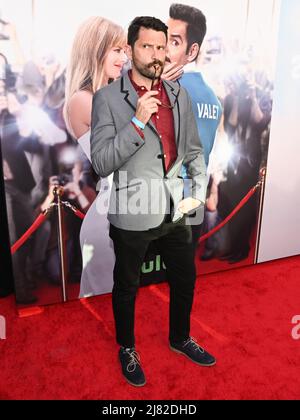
[(79, 214), (231, 215), (38, 222), (42, 217), (217, 228)]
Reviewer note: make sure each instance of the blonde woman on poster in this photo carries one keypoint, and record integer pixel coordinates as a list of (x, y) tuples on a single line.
[(97, 57)]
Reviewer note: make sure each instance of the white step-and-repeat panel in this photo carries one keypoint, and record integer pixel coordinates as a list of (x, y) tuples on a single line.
[(280, 230)]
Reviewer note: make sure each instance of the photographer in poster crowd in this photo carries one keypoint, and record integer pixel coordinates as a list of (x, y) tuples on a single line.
[(79, 190), (18, 177), (247, 117), (33, 137)]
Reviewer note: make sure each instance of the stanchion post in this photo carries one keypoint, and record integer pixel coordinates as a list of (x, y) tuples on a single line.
[(58, 192), (263, 173)]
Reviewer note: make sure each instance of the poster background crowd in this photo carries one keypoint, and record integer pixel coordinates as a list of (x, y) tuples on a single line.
[(241, 42)]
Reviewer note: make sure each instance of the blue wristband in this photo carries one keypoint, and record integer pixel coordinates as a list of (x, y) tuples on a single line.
[(138, 123)]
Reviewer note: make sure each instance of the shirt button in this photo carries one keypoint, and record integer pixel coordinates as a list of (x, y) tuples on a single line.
[(157, 117)]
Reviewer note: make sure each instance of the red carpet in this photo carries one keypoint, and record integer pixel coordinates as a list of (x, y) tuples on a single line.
[(242, 316)]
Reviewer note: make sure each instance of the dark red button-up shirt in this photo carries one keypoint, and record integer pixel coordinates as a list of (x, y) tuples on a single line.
[(163, 121)]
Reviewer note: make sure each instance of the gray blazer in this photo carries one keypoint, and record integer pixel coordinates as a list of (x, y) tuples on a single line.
[(142, 187)]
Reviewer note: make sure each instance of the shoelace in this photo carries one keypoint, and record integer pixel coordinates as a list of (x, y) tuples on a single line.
[(194, 343), (134, 360)]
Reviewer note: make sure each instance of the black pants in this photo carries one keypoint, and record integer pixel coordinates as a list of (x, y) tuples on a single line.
[(196, 233), (175, 244)]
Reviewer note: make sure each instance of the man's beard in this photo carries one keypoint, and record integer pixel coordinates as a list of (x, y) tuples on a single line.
[(155, 68)]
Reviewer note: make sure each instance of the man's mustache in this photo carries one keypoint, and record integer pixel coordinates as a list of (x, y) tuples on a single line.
[(155, 63)]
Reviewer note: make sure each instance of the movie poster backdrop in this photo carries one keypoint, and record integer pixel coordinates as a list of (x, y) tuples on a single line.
[(39, 154)]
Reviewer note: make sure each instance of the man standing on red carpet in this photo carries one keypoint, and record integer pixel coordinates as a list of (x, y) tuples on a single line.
[(144, 131)]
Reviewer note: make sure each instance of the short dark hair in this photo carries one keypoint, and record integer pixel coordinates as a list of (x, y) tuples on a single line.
[(144, 22), (196, 28)]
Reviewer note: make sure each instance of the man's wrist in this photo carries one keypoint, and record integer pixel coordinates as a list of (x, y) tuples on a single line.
[(138, 123)]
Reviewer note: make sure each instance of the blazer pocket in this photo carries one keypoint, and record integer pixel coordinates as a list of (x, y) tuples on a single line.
[(128, 186)]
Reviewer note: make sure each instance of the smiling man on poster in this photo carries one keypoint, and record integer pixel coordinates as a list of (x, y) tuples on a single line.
[(144, 131)]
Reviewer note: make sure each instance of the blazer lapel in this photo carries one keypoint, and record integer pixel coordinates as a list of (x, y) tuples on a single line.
[(173, 96), (131, 97)]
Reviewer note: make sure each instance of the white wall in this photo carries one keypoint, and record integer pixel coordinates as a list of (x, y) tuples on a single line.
[(280, 233)]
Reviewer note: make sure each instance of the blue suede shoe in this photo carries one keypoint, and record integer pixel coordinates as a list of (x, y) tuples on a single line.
[(191, 349), (131, 367)]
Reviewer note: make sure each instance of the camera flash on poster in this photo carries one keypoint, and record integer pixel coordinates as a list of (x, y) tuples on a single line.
[(32, 118), (225, 152), (68, 156)]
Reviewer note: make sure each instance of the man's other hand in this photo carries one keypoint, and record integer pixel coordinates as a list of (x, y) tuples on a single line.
[(172, 72), (189, 205)]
